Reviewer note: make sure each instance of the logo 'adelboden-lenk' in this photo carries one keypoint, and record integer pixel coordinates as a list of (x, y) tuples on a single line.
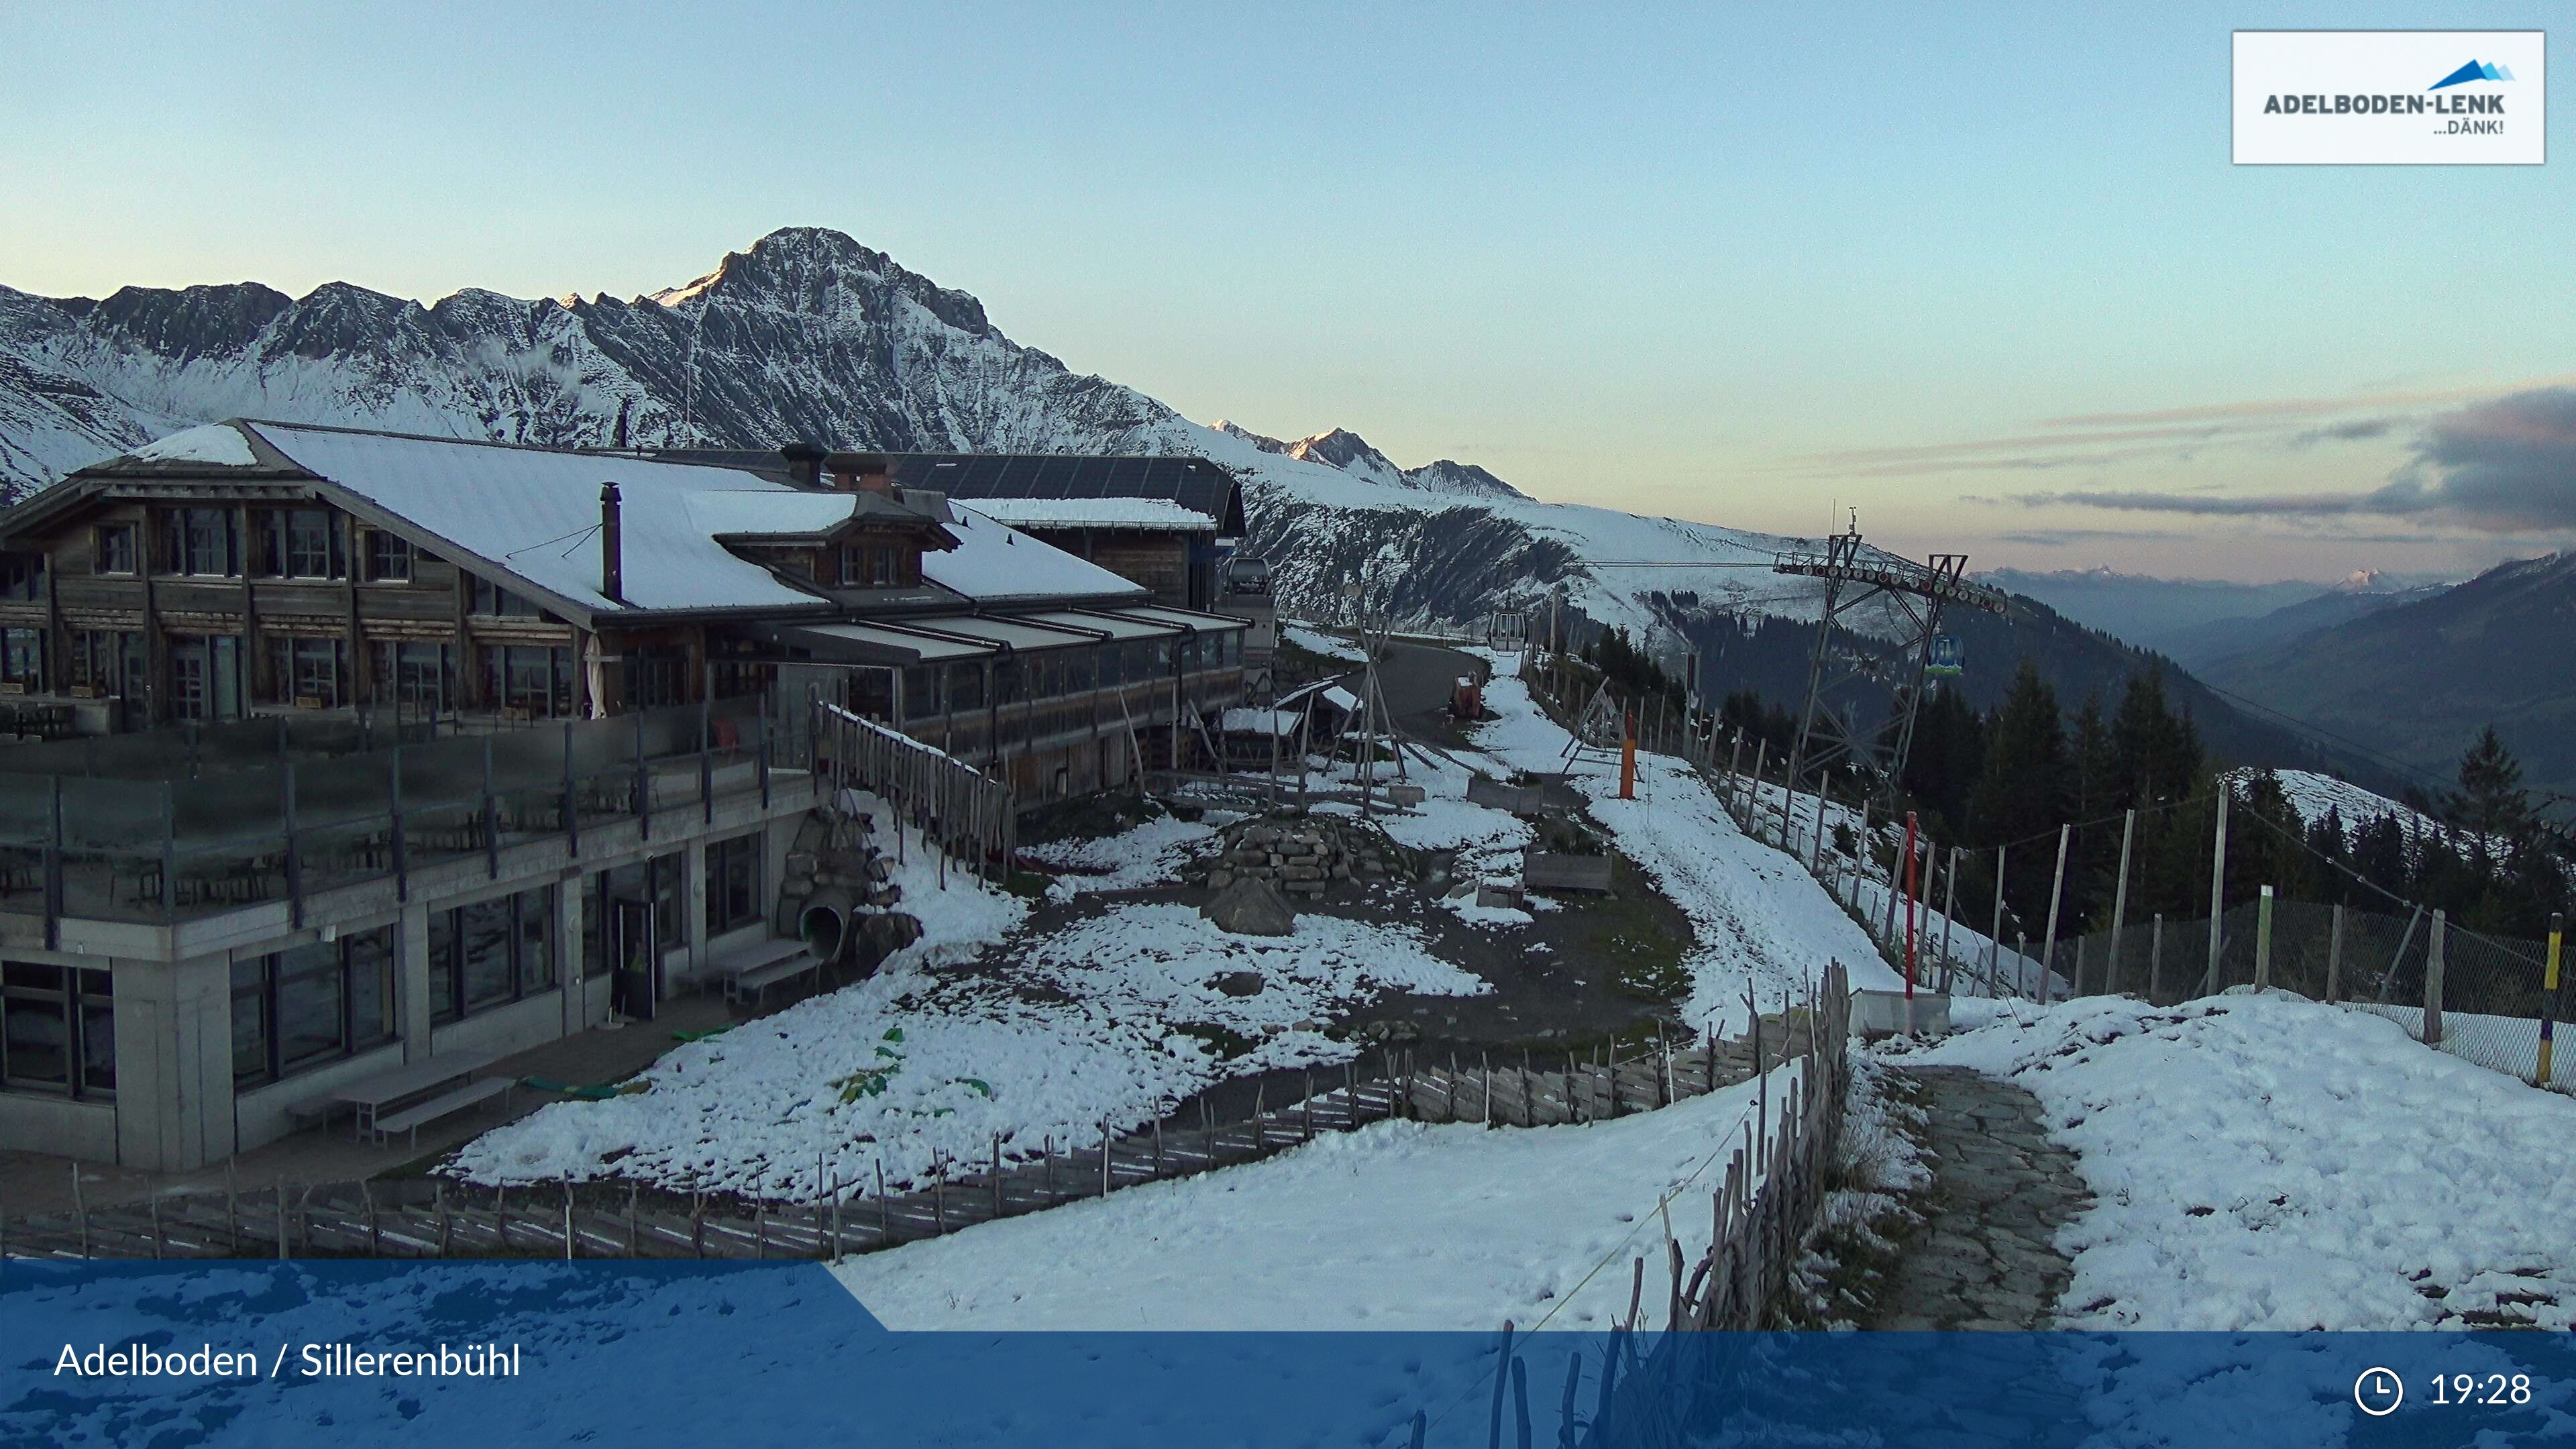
[(2390, 97), (2474, 114)]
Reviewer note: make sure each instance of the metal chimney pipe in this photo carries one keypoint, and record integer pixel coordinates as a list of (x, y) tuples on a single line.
[(612, 544)]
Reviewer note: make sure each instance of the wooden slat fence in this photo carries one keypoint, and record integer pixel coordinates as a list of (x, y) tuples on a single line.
[(965, 812), (1650, 1393)]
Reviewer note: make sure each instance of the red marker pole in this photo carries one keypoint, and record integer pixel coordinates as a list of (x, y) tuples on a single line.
[(1909, 907)]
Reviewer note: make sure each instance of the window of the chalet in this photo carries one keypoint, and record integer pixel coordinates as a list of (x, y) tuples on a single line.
[(109, 662), (22, 659), (533, 679), (871, 566), (491, 598), (415, 676), (112, 549), (309, 669), (300, 543), (389, 557), (921, 692), (966, 685), (656, 675), (22, 576), (201, 541)]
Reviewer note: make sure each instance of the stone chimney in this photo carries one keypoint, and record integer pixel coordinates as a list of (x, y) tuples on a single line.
[(804, 463), (861, 473)]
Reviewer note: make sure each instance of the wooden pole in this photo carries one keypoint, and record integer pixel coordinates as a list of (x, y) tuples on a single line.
[(2334, 959), (2263, 942), (2056, 892), (2120, 905), (2436, 950), (1949, 911), (1995, 932), (2156, 961), (2551, 987), (2209, 981)]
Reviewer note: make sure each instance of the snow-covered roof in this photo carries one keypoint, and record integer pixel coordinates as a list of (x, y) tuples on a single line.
[(1153, 514), (535, 512), (1184, 618), (928, 648), (1013, 633), (214, 443), (1116, 626), (993, 564), (769, 512)]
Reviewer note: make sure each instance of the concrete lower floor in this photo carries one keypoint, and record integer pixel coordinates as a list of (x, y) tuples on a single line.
[(171, 1049)]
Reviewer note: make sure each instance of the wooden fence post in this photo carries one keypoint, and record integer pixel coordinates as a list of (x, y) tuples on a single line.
[(2334, 957), (2156, 961), (2210, 980), (2435, 952), (2551, 985), (2263, 941), (2120, 904)]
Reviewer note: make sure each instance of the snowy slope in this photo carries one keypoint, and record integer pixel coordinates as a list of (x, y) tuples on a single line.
[(1399, 1226), (1761, 922), (2269, 1163), (2313, 794)]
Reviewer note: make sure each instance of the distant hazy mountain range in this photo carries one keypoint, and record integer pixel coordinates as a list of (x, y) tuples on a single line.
[(2199, 621), (2419, 678)]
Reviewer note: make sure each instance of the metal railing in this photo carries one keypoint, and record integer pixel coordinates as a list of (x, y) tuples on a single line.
[(236, 821)]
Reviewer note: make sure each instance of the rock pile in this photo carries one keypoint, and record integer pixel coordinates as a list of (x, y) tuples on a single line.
[(1301, 855)]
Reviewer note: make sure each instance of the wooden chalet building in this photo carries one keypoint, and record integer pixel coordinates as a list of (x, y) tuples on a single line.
[(346, 761)]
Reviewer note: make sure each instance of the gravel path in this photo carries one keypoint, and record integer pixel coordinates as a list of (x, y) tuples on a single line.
[(1983, 1258)]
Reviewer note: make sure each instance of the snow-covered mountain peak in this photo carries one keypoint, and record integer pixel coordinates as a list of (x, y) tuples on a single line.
[(1348, 451), (1262, 441)]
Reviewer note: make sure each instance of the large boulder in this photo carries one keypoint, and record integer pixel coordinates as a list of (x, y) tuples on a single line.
[(1251, 907)]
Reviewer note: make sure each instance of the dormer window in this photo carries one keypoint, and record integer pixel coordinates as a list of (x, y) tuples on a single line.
[(870, 566)]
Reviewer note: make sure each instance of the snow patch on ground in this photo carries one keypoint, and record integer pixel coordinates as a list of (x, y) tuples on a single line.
[(1399, 1226), (1149, 853), (1114, 1019), (1316, 641), (2264, 1162)]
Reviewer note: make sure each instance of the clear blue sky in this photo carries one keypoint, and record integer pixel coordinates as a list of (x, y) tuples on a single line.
[(1736, 265)]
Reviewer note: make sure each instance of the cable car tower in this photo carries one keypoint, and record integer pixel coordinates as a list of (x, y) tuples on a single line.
[(1864, 668)]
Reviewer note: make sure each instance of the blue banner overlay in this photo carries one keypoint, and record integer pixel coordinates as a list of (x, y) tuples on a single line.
[(640, 1355)]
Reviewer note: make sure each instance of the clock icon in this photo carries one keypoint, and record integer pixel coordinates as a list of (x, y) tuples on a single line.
[(2378, 1391)]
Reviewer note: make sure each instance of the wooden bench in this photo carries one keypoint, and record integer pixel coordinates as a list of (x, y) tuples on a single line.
[(411, 1119), (750, 972)]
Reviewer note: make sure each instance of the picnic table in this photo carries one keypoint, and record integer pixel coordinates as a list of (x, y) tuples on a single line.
[(372, 1096)]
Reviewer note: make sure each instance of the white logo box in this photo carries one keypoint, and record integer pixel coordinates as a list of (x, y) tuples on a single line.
[(2376, 98)]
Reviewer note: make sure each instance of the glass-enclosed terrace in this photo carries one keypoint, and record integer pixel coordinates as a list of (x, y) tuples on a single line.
[(169, 824)]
